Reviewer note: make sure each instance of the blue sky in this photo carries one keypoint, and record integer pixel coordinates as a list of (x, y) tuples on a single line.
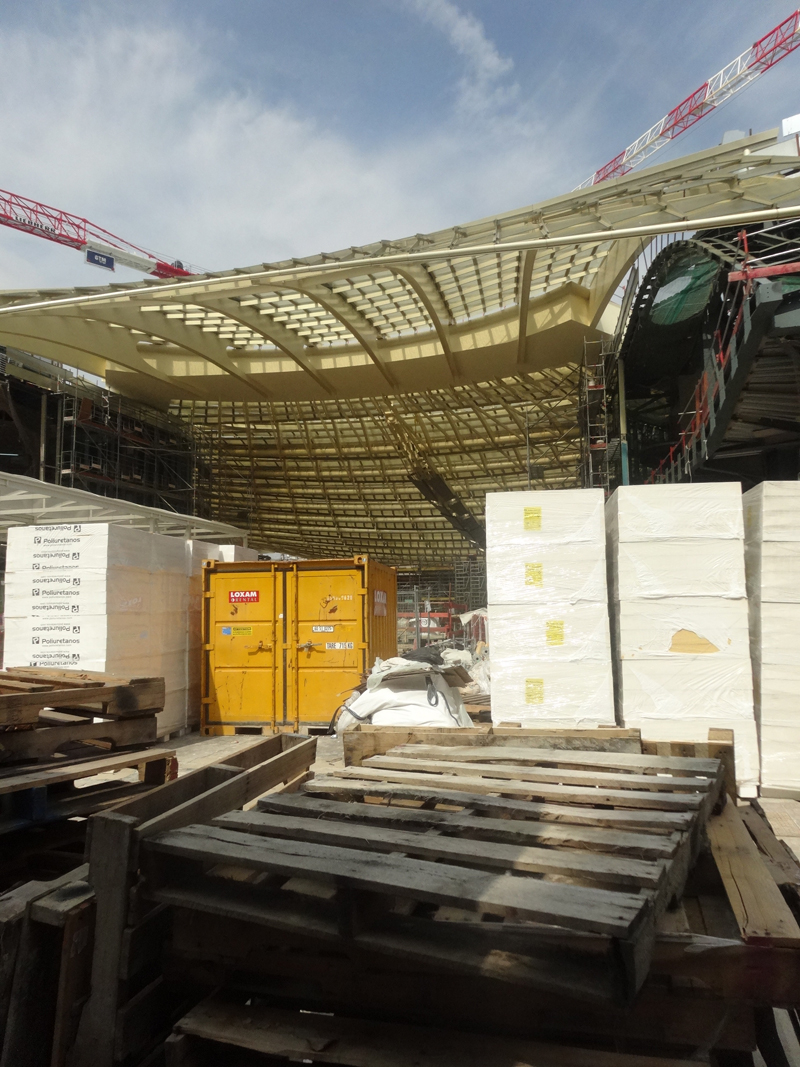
[(229, 132)]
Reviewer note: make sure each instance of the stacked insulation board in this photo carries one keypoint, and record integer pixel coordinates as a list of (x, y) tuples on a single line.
[(100, 597), (680, 617), (772, 556), (548, 608)]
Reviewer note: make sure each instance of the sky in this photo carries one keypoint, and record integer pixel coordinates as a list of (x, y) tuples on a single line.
[(233, 132)]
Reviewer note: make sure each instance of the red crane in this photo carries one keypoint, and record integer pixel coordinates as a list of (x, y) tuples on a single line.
[(101, 248), (737, 75)]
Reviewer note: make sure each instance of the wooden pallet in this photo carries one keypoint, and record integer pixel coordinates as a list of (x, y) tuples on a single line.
[(129, 1004), (32, 795), (25, 692), (597, 843)]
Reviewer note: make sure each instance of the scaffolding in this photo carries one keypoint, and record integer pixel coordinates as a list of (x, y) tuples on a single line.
[(596, 417), (113, 448)]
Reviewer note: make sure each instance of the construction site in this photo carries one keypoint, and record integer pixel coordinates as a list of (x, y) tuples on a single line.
[(401, 644)]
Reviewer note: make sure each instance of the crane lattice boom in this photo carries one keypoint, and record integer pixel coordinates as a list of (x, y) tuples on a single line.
[(63, 228), (758, 59)]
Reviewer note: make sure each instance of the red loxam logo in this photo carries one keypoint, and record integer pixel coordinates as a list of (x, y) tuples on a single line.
[(243, 596)]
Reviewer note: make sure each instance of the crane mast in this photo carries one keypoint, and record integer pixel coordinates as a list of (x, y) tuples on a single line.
[(737, 75)]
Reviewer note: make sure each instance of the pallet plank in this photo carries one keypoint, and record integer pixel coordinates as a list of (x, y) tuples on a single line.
[(763, 915), (510, 831), (361, 1043), (42, 742), (569, 794), (84, 769), (117, 700), (430, 789), (618, 872), (565, 776), (580, 907), (366, 740), (441, 947), (617, 761)]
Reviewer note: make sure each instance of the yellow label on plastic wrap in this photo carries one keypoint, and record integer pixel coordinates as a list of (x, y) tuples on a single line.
[(241, 631), (554, 631), (534, 690), (532, 518), (534, 574)]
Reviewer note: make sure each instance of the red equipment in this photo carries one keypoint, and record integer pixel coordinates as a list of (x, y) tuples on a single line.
[(98, 244), (765, 53)]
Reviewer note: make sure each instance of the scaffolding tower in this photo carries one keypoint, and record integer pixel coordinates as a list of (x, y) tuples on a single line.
[(111, 447)]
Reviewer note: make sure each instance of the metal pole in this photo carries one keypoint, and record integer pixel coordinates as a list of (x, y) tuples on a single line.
[(528, 445), (623, 424), (42, 432), (416, 617), (59, 461)]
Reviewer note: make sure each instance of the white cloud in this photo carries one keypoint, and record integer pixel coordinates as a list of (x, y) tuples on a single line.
[(130, 127), (479, 89)]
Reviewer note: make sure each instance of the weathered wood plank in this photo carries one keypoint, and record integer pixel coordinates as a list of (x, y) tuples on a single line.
[(445, 948), (363, 1043), (779, 861), (365, 740), (238, 790), (42, 742), (139, 696), (524, 756), (431, 789), (510, 831), (85, 769), (763, 915), (617, 872), (110, 860), (566, 794), (556, 775), (578, 907)]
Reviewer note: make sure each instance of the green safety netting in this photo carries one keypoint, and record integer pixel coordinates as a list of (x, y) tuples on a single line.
[(685, 290)]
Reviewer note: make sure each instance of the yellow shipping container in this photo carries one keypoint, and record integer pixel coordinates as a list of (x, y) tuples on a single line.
[(286, 643)]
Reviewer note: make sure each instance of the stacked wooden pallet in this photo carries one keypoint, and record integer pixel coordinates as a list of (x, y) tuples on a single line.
[(81, 957), (451, 898), (58, 727), (506, 903), (596, 844)]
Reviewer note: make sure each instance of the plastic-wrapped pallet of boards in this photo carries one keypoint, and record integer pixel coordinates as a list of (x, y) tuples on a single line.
[(548, 608), (403, 692), (772, 557), (679, 616), (99, 597)]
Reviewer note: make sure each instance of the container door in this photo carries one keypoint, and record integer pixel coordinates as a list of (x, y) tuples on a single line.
[(327, 633), (244, 649)]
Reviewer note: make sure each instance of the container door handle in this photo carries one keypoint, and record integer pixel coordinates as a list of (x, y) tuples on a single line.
[(309, 645), (260, 647)]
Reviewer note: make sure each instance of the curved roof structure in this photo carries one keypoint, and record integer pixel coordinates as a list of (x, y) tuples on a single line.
[(289, 370)]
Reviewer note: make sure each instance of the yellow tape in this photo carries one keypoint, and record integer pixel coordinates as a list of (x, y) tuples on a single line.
[(534, 574), (532, 518), (534, 690), (554, 631)]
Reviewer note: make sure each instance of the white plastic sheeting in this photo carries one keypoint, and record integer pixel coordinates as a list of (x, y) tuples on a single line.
[(678, 568), (679, 626), (772, 530), (676, 561), (548, 608), (663, 512), (101, 597)]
